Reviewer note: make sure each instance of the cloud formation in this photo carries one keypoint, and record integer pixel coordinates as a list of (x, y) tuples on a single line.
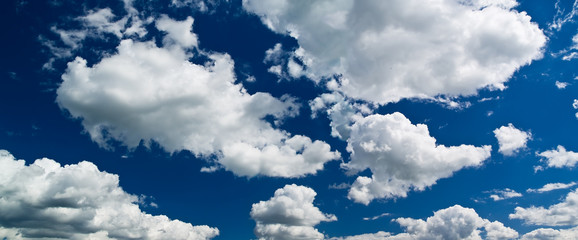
[(511, 139), (384, 51), (564, 213), (151, 93), (77, 201), (507, 193), (551, 234), (559, 157), (289, 214), (452, 223), (402, 157), (552, 186)]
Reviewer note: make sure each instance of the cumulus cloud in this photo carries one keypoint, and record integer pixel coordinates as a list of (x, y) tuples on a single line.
[(564, 213), (178, 32), (384, 51), (559, 157), (402, 157), (507, 193), (340, 111), (511, 139), (561, 85), (552, 186), (151, 93), (455, 222), (289, 214), (551, 234), (77, 201)]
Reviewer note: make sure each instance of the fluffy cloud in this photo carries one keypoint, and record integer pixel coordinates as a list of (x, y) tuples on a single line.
[(551, 234), (455, 222), (387, 50), (289, 214), (559, 157), (341, 112), (561, 214), (504, 194), (402, 157), (561, 85), (47, 200), (511, 139), (146, 92), (553, 186), (178, 32)]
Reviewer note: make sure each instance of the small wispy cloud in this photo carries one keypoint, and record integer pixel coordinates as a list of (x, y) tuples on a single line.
[(551, 187), (376, 217), (498, 195)]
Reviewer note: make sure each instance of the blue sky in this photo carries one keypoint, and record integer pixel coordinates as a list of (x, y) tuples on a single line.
[(333, 119)]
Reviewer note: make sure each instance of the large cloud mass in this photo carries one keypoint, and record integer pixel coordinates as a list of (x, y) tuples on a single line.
[(452, 223), (561, 214), (289, 214), (402, 156), (388, 50), (146, 92), (47, 200)]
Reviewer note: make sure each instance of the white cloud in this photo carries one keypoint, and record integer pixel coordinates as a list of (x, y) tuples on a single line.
[(102, 21), (340, 111), (562, 16), (146, 92), (402, 157), (376, 217), (551, 234), (504, 194), (388, 50), (289, 214), (570, 56), (575, 104), (552, 186), (455, 222), (284, 63), (511, 139), (561, 214), (368, 236), (561, 85), (77, 201), (559, 157), (196, 4), (95, 25), (178, 32)]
